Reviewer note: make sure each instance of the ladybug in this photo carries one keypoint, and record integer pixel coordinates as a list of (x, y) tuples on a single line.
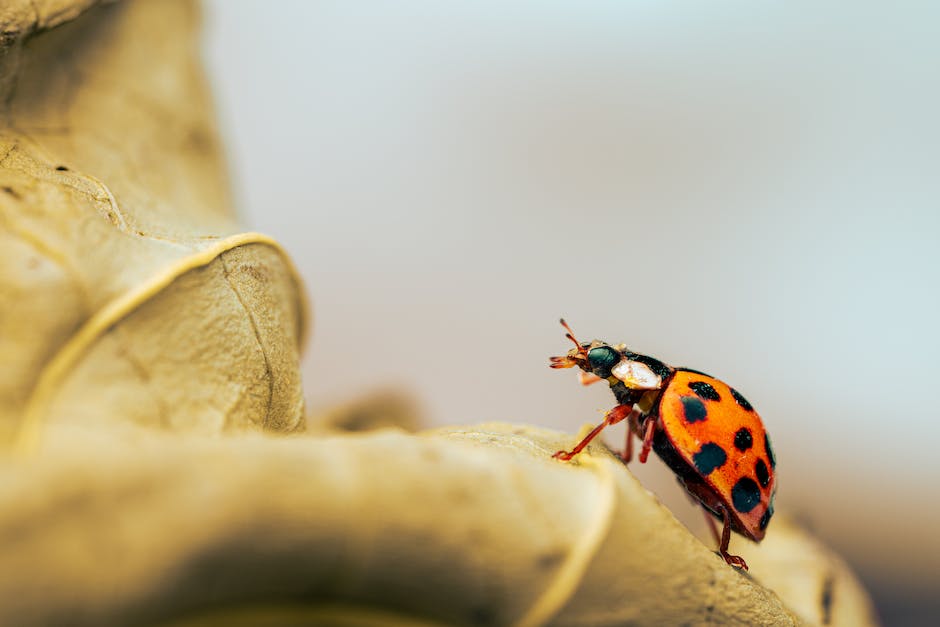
[(703, 429)]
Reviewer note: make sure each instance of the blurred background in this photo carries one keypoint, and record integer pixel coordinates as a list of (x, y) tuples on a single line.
[(749, 190)]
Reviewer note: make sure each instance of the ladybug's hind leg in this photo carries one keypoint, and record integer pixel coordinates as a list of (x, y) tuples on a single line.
[(710, 520), (733, 560)]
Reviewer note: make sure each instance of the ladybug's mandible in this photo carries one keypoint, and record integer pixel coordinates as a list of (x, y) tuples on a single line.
[(703, 429)]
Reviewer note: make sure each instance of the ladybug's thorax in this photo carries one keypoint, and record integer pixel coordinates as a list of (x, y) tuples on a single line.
[(658, 367), (623, 394), (645, 398)]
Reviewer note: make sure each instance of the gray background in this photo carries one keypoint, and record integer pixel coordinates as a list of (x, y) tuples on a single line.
[(748, 190)]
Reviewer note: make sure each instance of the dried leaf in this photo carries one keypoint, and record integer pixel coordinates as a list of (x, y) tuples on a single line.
[(128, 287), (453, 527), (130, 297), (377, 409)]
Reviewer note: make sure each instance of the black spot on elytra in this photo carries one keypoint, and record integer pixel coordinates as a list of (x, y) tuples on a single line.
[(12, 192), (741, 400), (709, 457), (765, 519), (743, 440), (61, 168), (704, 391), (770, 451), (694, 409), (763, 475), (745, 495)]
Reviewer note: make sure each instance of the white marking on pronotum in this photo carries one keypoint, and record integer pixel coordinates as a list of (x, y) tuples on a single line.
[(637, 375)]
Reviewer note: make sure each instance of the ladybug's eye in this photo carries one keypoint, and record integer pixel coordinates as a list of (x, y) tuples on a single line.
[(603, 357)]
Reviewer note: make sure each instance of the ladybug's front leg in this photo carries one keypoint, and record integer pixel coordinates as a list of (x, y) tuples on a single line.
[(586, 378), (612, 417)]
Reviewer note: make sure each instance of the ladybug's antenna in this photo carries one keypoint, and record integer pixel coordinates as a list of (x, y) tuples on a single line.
[(570, 336)]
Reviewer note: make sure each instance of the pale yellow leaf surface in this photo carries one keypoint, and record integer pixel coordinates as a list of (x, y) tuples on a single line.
[(140, 323), (462, 526), (129, 287)]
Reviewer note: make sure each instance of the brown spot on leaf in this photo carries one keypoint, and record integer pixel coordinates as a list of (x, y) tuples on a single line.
[(550, 559), (825, 599)]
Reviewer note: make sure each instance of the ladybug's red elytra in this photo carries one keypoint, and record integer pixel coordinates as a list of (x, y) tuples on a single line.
[(703, 429)]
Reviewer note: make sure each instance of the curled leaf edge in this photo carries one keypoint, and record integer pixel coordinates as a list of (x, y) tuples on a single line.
[(29, 431)]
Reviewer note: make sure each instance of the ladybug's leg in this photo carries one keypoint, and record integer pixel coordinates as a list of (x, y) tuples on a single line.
[(586, 378), (648, 439), (733, 560), (612, 417), (627, 454), (711, 525), (628, 448)]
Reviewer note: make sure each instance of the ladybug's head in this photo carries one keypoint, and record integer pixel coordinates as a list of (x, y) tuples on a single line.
[(605, 361)]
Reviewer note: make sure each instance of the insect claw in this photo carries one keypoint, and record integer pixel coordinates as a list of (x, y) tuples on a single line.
[(734, 560)]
